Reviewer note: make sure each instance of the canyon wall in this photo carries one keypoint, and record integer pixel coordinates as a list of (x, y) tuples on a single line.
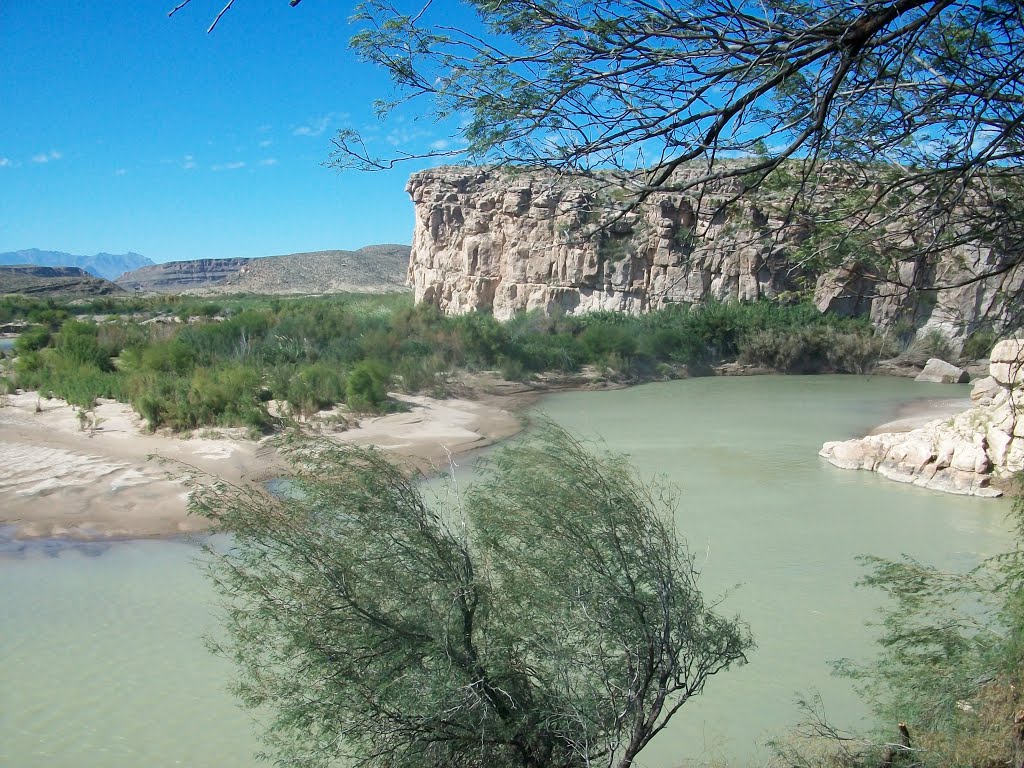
[(500, 242)]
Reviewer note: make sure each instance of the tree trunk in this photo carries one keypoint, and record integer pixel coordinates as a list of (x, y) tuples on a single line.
[(1018, 739)]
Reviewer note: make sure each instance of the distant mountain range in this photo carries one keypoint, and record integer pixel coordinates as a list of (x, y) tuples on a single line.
[(107, 265)]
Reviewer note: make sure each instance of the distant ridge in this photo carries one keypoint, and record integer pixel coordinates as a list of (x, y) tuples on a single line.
[(371, 269), (107, 265), (65, 282)]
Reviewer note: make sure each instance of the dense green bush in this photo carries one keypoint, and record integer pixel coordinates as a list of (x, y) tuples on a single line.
[(78, 343), (314, 387), (315, 352), (979, 344), (367, 386), (35, 338), (811, 350)]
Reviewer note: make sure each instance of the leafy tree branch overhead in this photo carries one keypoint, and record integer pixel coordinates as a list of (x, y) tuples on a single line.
[(640, 86), (900, 123)]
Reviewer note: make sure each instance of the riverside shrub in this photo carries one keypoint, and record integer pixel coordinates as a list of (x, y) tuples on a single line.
[(305, 351), (367, 386)]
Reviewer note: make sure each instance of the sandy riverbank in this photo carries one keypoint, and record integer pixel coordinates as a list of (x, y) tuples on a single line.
[(58, 480), (917, 413)]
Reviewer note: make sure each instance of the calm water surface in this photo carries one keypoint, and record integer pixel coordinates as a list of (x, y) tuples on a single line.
[(102, 662)]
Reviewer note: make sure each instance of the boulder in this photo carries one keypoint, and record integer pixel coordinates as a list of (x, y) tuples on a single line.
[(938, 371), (1008, 351), (984, 389), (1006, 364)]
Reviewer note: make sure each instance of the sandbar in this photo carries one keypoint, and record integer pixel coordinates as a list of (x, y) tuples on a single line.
[(105, 479)]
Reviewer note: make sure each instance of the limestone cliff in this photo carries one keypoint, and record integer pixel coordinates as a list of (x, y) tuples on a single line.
[(491, 240), (963, 454)]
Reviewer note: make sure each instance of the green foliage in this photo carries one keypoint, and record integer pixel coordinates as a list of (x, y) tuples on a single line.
[(951, 655), (308, 352), (35, 338), (979, 344), (550, 617), (812, 350), (367, 386), (78, 343), (314, 387), (601, 340)]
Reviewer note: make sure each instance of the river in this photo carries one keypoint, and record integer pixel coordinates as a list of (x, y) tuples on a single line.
[(103, 664)]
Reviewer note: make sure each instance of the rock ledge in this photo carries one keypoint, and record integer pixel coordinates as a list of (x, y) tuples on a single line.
[(963, 454)]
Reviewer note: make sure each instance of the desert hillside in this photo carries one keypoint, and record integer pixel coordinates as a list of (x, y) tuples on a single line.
[(374, 268), (53, 281)]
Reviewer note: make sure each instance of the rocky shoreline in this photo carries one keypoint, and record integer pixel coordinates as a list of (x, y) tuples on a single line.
[(976, 452)]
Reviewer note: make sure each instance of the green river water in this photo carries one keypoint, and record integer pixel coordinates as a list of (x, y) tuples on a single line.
[(102, 662)]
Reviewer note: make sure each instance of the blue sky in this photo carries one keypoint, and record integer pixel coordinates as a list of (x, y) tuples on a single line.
[(122, 129)]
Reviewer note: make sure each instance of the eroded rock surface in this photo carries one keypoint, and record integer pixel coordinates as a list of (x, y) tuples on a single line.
[(963, 454), (489, 240)]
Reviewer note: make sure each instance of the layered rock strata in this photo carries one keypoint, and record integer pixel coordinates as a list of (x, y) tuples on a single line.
[(965, 454), (493, 241)]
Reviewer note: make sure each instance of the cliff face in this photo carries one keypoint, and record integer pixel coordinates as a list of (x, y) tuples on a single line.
[(506, 243)]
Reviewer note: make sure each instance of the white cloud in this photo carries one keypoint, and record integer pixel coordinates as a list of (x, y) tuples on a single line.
[(313, 127), (318, 125), (228, 166), (4, 162), (440, 145), (45, 157), (188, 163), (404, 135), (266, 143), (120, 171), (268, 161)]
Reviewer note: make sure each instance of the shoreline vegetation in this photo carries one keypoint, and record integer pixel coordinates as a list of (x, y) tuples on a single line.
[(92, 388)]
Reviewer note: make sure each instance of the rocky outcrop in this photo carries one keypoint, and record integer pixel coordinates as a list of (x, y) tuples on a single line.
[(964, 454), (501, 242)]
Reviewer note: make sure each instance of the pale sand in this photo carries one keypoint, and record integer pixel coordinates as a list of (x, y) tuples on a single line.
[(917, 413), (57, 480)]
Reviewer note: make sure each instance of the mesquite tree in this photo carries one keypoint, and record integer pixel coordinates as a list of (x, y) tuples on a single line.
[(547, 616), (891, 131)]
